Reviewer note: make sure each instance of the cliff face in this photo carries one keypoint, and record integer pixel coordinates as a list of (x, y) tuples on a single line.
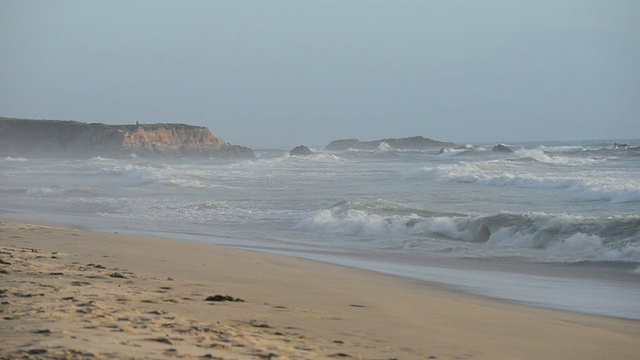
[(50, 138), (409, 143)]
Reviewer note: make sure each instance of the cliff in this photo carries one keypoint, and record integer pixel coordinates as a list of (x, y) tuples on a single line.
[(409, 143), (52, 138)]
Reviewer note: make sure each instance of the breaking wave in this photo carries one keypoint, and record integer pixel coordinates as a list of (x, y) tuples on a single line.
[(584, 185), (9, 158), (547, 157), (557, 236), (286, 159)]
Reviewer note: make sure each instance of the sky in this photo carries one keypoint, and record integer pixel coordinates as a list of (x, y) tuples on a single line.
[(276, 73)]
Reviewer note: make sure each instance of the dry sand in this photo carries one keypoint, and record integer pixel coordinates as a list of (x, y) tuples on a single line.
[(69, 293)]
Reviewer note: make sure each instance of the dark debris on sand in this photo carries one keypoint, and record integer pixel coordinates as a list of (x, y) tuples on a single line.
[(223, 298)]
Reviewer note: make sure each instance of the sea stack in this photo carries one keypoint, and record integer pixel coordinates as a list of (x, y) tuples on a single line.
[(502, 148), (300, 151)]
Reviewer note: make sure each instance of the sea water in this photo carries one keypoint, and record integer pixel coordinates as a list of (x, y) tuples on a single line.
[(551, 224)]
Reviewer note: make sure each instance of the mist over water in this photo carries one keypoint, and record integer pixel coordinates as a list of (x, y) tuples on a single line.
[(574, 203)]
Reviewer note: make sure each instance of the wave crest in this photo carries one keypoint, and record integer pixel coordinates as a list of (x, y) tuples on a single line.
[(554, 235), (584, 185)]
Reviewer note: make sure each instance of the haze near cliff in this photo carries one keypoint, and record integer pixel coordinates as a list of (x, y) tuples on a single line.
[(282, 73)]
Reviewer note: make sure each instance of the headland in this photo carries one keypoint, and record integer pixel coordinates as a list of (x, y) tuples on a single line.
[(73, 139)]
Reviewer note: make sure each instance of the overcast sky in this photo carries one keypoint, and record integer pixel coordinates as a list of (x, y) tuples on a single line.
[(283, 73)]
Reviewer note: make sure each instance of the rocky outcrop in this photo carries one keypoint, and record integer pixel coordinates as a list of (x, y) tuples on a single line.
[(409, 143), (344, 144), (618, 146), (51, 138), (502, 148), (300, 151)]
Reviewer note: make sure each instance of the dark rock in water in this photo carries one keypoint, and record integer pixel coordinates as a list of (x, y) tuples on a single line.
[(626, 147), (344, 144), (502, 148), (409, 143), (73, 139), (300, 151)]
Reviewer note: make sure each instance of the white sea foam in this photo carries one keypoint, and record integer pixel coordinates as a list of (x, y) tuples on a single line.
[(184, 212), (44, 191), (384, 147), (9, 158), (352, 222), (452, 152), (63, 192), (191, 176), (562, 148), (284, 160), (558, 236), (577, 244), (585, 185), (100, 159), (548, 158), (324, 157)]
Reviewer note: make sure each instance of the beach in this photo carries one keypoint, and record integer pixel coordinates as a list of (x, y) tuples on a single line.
[(319, 180), (71, 293)]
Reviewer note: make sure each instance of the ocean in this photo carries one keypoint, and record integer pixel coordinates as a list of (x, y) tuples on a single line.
[(553, 224)]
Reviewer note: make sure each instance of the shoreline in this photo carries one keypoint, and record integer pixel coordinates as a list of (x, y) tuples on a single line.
[(293, 308), (580, 288)]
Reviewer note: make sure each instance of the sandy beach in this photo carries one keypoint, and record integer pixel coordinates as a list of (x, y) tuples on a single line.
[(70, 293)]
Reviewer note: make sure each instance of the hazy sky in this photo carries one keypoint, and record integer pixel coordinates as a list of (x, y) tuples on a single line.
[(283, 73)]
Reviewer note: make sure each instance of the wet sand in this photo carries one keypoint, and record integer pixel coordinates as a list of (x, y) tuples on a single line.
[(69, 293)]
